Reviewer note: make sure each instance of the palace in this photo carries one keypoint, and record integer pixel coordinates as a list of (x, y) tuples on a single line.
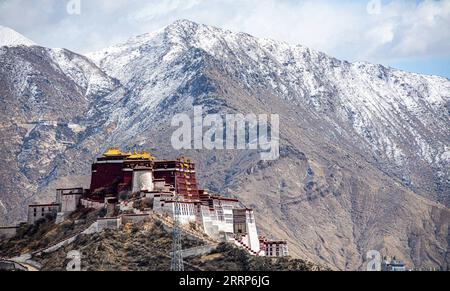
[(120, 180)]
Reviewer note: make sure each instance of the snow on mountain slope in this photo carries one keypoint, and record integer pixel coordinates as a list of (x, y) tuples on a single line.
[(82, 71), (401, 117), (77, 67), (47, 96), (9, 37), (361, 144)]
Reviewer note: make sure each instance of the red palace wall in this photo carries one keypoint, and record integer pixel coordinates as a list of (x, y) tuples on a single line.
[(108, 179), (168, 176), (185, 183), (127, 180), (110, 176), (187, 186), (105, 175)]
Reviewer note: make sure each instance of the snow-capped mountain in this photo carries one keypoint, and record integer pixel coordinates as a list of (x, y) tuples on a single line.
[(46, 94), (364, 148), (391, 113), (9, 37)]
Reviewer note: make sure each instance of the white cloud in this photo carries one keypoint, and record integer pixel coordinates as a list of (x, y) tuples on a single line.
[(346, 29)]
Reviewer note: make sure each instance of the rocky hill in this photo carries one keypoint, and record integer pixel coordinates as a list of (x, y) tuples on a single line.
[(364, 148), (139, 247)]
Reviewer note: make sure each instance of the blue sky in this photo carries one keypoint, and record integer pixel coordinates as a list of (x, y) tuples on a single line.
[(408, 34)]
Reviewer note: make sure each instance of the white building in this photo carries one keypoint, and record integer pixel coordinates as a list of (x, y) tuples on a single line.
[(70, 199), (216, 216), (223, 219), (275, 248), (393, 265), (251, 239), (39, 211), (164, 203)]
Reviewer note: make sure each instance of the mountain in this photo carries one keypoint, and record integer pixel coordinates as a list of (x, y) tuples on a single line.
[(401, 119), (46, 97), (364, 148), (10, 37)]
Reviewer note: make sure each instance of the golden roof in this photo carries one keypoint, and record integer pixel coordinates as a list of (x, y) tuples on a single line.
[(143, 155), (116, 152), (113, 152)]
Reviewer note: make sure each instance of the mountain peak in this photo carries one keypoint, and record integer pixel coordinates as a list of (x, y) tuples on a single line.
[(186, 28), (10, 37), (184, 23)]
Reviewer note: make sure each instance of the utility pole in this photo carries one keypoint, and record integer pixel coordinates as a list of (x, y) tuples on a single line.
[(177, 249)]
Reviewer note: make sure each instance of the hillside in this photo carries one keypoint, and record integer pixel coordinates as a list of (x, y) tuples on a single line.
[(139, 247), (364, 148)]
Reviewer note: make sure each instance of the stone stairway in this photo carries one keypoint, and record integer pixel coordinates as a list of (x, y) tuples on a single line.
[(66, 240), (243, 245)]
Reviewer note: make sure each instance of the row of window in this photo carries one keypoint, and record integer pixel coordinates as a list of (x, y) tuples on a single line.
[(187, 209), (43, 209), (43, 212)]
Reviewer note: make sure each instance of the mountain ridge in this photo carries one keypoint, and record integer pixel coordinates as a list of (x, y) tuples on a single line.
[(363, 147), (10, 37), (363, 71)]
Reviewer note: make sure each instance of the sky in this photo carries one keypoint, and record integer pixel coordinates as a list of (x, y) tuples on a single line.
[(413, 35)]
